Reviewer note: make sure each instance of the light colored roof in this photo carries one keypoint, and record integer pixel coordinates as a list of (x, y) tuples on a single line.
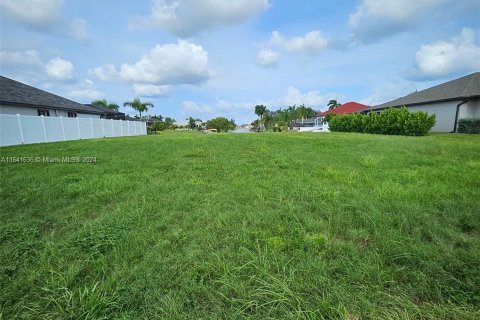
[(461, 88)]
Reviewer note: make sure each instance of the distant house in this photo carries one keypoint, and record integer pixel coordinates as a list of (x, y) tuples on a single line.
[(349, 107), (450, 101), (19, 98), (316, 123)]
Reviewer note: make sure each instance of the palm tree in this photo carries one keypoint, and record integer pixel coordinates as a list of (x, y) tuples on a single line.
[(332, 104), (267, 119), (138, 105), (105, 104), (303, 112), (260, 110)]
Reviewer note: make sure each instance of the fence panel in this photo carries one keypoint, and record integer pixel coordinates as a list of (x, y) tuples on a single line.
[(85, 128), (97, 128), (124, 128), (53, 129), (108, 128), (18, 129), (33, 129), (10, 131), (71, 129)]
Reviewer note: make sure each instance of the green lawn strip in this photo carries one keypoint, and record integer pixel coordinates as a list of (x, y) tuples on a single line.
[(254, 226)]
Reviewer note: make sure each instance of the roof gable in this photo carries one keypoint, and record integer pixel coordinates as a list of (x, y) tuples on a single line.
[(19, 94), (461, 88)]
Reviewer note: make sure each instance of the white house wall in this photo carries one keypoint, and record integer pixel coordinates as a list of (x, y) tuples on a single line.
[(28, 111), (18, 110), (86, 115)]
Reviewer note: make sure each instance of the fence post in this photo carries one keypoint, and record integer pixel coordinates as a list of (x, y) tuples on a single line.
[(128, 125), (113, 130), (91, 126), (63, 128), (103, 127), (121, 127), (44, 129), (79, 132), (135, 127), (20, 128)]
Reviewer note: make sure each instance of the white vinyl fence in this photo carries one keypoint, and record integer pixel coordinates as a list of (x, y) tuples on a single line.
[(20, 129)]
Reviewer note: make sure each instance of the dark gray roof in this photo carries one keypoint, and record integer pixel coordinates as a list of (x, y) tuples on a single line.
[(461, 88), (19, 94)]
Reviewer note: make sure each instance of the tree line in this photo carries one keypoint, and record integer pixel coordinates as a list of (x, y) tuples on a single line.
[(135, 104), (283, 118), (160, 123)]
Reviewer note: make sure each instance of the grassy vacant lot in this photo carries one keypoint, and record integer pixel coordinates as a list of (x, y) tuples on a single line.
[(253, 226)]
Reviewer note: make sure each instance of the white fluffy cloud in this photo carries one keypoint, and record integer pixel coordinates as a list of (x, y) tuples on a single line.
[(267, 58), (28, 58), (188, 17), (28, 63), (85, 90), (191, 107), (105, 72), (443, 58), (234, 106), (374, 19), (312, 41), (59, 69), (176, 63), (151, 90), (389, 90), (311, 98), (35, 13)]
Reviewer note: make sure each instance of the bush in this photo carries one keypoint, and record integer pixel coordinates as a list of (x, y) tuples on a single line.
[(468, 126), (397, 121), (221, 124)]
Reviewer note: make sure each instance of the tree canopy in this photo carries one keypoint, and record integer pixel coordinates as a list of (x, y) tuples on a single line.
[(332, 104), (138, 105), (221, 124), (282, 117), (105, 104)]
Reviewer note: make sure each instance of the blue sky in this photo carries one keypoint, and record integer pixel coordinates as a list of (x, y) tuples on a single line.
[(209, 58)]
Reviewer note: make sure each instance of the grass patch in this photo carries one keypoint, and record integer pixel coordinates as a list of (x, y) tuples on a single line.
[(253, 226)]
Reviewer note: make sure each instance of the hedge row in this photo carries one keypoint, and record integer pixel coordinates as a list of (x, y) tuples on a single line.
[(398, 121), (468, 126)]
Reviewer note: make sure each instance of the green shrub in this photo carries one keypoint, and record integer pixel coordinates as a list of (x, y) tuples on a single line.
[(468, 126), (394, 121), (328, 117)]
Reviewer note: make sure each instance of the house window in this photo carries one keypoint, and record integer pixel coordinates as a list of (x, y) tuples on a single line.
[(72, 114), (42, 112)]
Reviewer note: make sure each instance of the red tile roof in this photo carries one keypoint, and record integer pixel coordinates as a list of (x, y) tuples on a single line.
[(349, 107)]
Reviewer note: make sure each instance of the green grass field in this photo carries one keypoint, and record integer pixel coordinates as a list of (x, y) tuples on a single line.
[(243, 226)]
